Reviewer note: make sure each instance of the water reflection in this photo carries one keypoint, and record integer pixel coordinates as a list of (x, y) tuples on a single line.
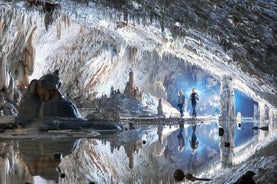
[(194, 143), (21, 160), (148, 154), (180, 137), (226, 142), (243, 133)]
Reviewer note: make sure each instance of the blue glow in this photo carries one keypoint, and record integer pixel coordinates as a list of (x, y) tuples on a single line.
[(208, 92), (244, 104), (244, 134)]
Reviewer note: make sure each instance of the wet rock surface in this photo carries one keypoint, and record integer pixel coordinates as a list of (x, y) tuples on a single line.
[(236, 37), (43, 99), (244, 29), (156, 39), (142, 150), (44, 108)]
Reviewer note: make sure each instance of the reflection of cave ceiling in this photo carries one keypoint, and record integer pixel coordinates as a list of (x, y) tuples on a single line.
[(104, 40)]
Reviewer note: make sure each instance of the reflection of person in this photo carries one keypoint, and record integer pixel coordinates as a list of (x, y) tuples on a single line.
[(194, 143), (181, 101), (181, 140), (160, 134), (194, 98)]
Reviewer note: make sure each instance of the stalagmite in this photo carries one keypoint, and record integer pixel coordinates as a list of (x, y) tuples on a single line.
[(160, 108)]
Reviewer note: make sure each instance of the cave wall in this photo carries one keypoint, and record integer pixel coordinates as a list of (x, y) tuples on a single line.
[(90, 55), (24, 37), (17, 32)]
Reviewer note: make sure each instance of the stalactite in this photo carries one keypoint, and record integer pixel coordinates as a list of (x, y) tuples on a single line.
[(10, 88), (25, 80), (1, 26), (59, 29), (20, 75), (29, 54), (66, 20), (15, 22), (3, 72), (12, 167)]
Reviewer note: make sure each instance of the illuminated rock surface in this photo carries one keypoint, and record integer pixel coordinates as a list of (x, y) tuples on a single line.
[(169, 45)]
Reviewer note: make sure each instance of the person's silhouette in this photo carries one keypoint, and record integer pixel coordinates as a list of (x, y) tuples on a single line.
[(194, 98), (181, 102), (181, 140), (194, 143)]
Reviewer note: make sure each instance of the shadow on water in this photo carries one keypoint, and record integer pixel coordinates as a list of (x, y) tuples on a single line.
[(165, 152)]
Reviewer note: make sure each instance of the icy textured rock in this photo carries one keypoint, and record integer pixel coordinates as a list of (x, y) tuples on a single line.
[(227, 104), (160, 108), (226, 121), (94, 44), (97, 42), (43, 99)]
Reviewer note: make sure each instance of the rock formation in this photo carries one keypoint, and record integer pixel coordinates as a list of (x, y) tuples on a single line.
[(160, 108), (44, 108), (226, 121), (227, 106), (43, 99), (130, 90), (6, 108), (128, 103)]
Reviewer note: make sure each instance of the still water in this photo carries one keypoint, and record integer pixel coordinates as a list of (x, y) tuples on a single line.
[(145, 154)]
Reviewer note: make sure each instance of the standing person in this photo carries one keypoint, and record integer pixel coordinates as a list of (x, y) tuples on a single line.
[(194, 98), (181, 101)]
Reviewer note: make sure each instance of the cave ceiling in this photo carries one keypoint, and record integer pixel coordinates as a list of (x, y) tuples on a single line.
[(235, 38)]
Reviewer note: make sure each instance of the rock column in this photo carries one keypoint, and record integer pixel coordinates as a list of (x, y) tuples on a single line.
[(160, 108), (261, 111), (272, 121), (226, 121), (227, 106)]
